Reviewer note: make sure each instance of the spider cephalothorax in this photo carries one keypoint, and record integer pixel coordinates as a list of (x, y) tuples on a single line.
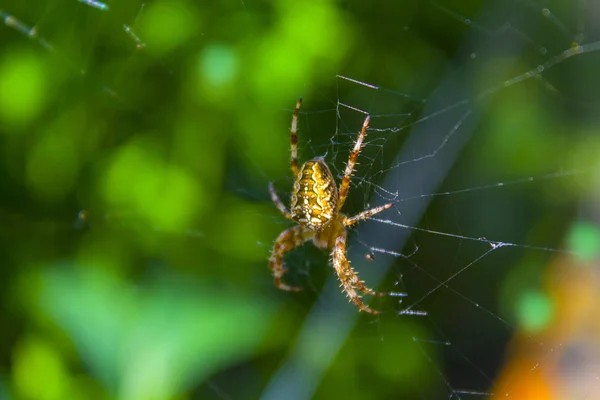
[(315, 205)]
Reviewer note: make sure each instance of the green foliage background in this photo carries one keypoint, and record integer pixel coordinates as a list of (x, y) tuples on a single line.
[(135, 219)]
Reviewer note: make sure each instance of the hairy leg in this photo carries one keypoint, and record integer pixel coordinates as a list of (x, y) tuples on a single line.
[(366, 214), (345, 185), (279, 203), (286, 241), (349, 278), (294, 139)]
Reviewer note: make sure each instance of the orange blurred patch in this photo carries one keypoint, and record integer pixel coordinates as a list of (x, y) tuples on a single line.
[(519, 382)]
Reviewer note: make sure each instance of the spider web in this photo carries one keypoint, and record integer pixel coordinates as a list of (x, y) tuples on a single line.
[(466, 220), (480, 152)]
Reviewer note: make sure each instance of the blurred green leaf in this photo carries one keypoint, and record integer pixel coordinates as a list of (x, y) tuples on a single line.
[(151, 343)]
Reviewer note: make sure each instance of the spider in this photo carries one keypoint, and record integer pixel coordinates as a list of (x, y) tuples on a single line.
[(315, 206)]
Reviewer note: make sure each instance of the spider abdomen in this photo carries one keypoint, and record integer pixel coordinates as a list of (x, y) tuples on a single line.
[(315, 195)]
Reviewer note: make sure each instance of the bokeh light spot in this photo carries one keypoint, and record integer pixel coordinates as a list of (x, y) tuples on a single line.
[(309, 36), (535, 311), (39, 372), (219, 65), (584, 240), (22, 88), (167, 25), (163, 194)]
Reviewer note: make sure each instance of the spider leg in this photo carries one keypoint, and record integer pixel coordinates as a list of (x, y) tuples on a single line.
[(366, 214), (360, 285), (294, 139), (345, 186), (348, 277), (279, 203), (286, 241)]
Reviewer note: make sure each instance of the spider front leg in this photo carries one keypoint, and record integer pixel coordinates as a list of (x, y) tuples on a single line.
[(349, 278), (294, 139), (366, 214), (345, 185), (279, 203), (286, 241)]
